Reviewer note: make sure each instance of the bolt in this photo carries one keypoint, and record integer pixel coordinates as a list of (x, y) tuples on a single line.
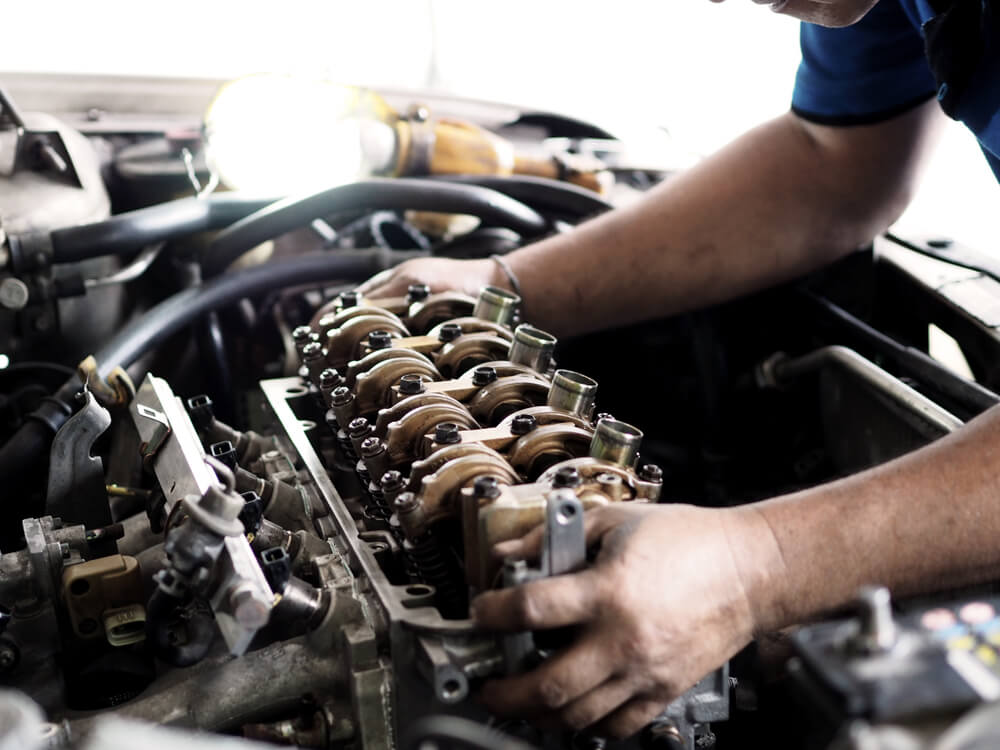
[(301, 334), (328, 379), (358, 427), (342, 396), (405, 502), (566, 477), (392, 481), (371, 447), (607, 479), (417, 293), (411, 384), (449, 332), (651, 473), (603, 415), (248, 610), (312, 351), (483, 375), (522, 424), (379, 340), (486, 487), (446, 433), (349, 299)]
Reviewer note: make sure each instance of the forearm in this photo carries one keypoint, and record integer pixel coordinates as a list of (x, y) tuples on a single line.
[(780, 201), (922, 522)]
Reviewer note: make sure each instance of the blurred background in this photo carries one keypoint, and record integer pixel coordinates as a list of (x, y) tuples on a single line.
[(704, 72)]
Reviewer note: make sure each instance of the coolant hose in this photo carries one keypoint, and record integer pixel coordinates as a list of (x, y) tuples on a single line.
[(129, 231), (491, 206)]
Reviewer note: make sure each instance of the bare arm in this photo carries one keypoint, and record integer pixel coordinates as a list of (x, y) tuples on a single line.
[(781, 200)]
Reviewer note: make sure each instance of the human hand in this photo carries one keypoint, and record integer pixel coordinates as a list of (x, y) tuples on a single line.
[(440, 274), (663, 605)]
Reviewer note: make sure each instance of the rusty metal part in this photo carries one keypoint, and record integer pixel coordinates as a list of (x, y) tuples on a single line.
[(470, 350), (344, 344), (505, 395), (443, 306)]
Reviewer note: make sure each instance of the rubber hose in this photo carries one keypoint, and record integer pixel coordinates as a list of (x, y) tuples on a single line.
[(540, 193), (200, 631), (404, 193), (29, 445), (129, 231)]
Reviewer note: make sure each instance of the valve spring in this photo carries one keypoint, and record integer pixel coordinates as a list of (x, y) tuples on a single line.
[(432, 565), (377, 508)]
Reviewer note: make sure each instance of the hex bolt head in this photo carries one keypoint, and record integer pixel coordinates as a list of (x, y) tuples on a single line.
[(522, 424), (411, 384), (486, 487), (392, 481), (312, 351), (566, 477), (342, 395), (417, 292), (379, 340), (301, 334), (248, 610), (357, 427), (371, 446), (328, 378), (449, 332), (651, 473), (349, 299), (446, 433), (405, 502), (483, 375)]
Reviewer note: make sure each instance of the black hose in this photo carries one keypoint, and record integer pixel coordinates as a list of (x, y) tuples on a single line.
[(541, 193), (132, 230), (403, 193), (454, 732), (22, 453), (161, 611)]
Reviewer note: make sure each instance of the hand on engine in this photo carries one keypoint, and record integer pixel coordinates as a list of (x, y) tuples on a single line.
[(662, 606), (440, 274)]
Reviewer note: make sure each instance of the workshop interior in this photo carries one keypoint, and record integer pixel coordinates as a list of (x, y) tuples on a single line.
[(245, 505)]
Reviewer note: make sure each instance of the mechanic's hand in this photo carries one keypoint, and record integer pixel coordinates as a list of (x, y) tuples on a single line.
[(661, 607), (440, 274)]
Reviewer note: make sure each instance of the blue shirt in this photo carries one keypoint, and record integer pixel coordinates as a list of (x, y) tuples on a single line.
[(880, 67)]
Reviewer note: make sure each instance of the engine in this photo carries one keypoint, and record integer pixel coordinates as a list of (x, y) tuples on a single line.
[(243, 498)]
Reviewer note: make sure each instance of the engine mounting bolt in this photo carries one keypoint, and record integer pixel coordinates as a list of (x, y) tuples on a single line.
[(417, 293), (446, 433), (483, 375), (379, 340), (405, 502), (328, 379), (312, 351), (566, 477), (392, 481), (349, 299), (651, 473), (358, 427), (486, 487), (371, 446), (411, 384), (449, 332), (522, 424)]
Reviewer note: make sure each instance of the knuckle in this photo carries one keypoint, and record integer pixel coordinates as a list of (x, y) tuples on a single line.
[(552, 694), (579, 717)]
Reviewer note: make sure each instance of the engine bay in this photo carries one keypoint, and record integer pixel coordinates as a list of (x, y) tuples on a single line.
[(243, 498)]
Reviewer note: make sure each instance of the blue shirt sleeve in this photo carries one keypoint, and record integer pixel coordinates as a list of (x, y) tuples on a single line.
[(863, 73)]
